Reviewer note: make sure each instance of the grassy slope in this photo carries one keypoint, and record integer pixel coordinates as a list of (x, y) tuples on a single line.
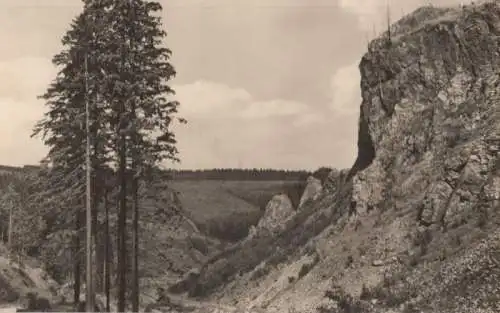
[(226, 209)]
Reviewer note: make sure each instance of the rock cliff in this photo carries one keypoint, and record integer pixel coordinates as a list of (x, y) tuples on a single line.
[(430, 110), (413, 226)]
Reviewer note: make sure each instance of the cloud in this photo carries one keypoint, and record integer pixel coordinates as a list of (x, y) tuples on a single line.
[(276, 107), (205, 99), (308, 119), (240, 130), (346, 90)]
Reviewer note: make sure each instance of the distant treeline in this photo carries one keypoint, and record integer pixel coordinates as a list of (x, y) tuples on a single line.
[(239, 174), (235, 174)]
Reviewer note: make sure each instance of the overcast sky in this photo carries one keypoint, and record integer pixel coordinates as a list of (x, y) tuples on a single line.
[(262, 83)]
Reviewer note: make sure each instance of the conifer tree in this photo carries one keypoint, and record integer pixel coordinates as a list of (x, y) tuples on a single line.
[(126, 82), (63, 127), (142, 112)]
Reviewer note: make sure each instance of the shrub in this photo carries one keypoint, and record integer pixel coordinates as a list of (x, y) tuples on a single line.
[(260, 272), (349, 261), (365, 293), (304, 269), (346, 303), (233, 227)]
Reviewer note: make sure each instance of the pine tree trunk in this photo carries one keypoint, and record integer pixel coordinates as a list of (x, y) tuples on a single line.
[(94, 236), (135, 210), (77, 258), (88, 168), (9, 238), (95, 202), (106, 251), (135, 243), (122, 219)]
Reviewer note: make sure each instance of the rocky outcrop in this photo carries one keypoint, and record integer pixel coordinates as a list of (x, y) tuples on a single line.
[(430, 113), (312, 191), (335, 180), (429, 144), (278, 210)]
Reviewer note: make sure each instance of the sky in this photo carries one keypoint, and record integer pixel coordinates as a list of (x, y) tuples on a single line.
[(262, 83)]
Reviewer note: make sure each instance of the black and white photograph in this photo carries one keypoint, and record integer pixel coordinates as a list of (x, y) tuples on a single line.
[(250, 156)]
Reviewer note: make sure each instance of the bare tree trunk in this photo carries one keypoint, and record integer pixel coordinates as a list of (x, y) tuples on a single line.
[(388, 13), (77, 257), (135, 243), (11, 224), (89, 268), (95, 203), (135, 221), (122, 219), (106, 252), (94, 237)]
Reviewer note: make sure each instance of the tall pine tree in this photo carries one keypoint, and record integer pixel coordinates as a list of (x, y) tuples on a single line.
[(143, 114), (131, 112), (63, 127)]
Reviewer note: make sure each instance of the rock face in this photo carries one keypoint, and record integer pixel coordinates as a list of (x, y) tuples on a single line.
[(335, 180), (312, 191), (430, 121), (278, 210)]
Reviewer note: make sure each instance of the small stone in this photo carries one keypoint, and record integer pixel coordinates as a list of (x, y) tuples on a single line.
[(377, 263)]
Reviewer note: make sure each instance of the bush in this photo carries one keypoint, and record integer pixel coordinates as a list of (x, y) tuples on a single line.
[(345, 302), (365, 293), (304, 269), (349, 261), (260, 272), (234, 227)]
